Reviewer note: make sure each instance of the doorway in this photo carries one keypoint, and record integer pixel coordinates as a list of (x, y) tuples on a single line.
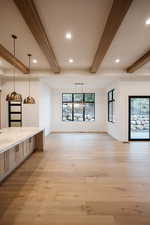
[(139, 118)]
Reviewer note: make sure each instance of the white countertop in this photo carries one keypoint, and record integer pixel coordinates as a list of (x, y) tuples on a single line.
[(9, 137)]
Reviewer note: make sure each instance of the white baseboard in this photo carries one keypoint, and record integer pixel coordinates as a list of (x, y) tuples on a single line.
[(95, 132)]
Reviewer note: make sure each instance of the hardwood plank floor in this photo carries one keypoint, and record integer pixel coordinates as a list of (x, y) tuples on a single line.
[(81, 179)]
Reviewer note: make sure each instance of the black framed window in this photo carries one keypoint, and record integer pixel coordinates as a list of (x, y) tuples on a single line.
[(111, 102), (78, 107)]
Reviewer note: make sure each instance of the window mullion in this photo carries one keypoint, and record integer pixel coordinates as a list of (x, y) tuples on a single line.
[(83, 105), (72, 107)]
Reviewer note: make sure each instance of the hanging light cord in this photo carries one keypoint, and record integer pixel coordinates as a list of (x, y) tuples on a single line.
[(82, 96), (29, 71), (14, 51)]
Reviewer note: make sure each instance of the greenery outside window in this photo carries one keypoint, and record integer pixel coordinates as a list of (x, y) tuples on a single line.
[(78, 107)]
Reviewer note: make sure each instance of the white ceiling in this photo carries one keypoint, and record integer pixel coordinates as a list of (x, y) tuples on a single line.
[(132, 39), (11, 22), (86, 20), (69, 80)]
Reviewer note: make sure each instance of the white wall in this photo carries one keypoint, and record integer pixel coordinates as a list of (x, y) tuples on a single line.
[(129, 89), (29, 112), (95, 126), (114, 128), (32, 115), (124, 89), (45, 105), (47, 112)]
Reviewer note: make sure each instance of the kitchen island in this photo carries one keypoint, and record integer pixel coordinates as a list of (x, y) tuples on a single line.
[(16, 144)]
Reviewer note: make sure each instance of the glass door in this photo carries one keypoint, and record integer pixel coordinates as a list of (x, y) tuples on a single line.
[(139, 118)]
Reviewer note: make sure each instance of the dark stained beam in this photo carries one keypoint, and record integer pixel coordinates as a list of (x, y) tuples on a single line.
[(30, 14), (115, 18), (10, 58), (139, 63)]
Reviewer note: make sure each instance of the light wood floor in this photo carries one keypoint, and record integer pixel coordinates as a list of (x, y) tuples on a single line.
[(82, 179)]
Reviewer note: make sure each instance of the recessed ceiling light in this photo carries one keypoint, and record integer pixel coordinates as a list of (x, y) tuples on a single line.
[(71, 60), (34, 61), (117, 60), (147, 22), (68, 35)]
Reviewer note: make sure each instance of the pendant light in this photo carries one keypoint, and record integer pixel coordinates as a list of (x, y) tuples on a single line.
[(80, 89), (14, 96), (29, 99)]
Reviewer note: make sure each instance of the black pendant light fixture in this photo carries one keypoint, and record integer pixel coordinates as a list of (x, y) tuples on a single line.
[(29, 99), (14, 96)]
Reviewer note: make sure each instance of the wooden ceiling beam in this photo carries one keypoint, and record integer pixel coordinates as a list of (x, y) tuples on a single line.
[(30, 14), (10, 58), (115, 18), (139, 63)]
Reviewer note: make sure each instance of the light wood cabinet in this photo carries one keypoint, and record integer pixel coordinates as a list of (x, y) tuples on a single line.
[(6, 161), (13, 157), (32, 144), (17, 154), (2, 171)]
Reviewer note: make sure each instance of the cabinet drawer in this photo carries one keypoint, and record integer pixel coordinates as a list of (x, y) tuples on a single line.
[(32, 144), (2, 164), (12, 160), (17, 151), (26, 147)]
